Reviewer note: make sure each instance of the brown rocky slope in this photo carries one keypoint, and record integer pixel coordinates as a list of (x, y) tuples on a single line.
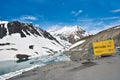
[(80, 52)]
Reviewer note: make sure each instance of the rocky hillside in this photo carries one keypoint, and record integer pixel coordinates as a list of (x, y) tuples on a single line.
[(25, 38), (79, 51), (23, 29)]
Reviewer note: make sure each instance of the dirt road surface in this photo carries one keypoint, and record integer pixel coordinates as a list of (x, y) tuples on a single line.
[(107, 68)]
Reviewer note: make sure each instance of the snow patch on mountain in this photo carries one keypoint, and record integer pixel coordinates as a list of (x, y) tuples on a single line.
[(68, 33), (66, 30), (77, 43), (24, 38)]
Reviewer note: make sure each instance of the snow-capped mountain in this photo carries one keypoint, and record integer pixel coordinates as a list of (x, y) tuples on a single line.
[(25, 38), (69, 33)]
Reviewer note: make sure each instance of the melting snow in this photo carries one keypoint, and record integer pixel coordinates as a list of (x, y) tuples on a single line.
[(76, 44), (37, 62)]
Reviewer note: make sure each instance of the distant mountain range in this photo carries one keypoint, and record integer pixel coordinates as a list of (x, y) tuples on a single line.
[(71, 34), (25, 38)]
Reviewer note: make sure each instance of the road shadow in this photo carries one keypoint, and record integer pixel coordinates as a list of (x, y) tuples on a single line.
[(84, 66)]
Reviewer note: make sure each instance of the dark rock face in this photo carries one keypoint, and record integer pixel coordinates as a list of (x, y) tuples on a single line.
[(24, 29), (22, 56), (3, 44), (31, 46), (47, 35), (29, 27), (78, 33), (15, 27), (3, 31)]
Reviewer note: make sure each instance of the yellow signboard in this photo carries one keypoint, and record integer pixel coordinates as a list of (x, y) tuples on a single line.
[(103, 47)]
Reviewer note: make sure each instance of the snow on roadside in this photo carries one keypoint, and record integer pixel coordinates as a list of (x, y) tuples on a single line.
[(76, 44)]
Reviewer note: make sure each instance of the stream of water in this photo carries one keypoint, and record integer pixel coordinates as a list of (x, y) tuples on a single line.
[(12, 65)]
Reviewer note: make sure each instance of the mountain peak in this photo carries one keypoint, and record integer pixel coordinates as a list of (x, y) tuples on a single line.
[(69, 33), (24, 29), (65, 30)]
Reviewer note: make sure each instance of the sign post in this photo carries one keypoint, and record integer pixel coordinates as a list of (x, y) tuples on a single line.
[(105, 47)]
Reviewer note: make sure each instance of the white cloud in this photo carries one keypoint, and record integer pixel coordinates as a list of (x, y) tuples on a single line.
[(96, 25), (92, 26), (110, 18), (116, 23), (37, 25), (115, 11), (28, 17), (76, 13), (94, 31), (102, 26), (84, 20), (54, 27)]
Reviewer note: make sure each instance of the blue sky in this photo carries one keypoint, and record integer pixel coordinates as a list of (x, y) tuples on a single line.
[(92, 15)]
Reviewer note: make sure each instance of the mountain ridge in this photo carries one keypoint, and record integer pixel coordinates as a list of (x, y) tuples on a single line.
[(17, 38), (69, 33)]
